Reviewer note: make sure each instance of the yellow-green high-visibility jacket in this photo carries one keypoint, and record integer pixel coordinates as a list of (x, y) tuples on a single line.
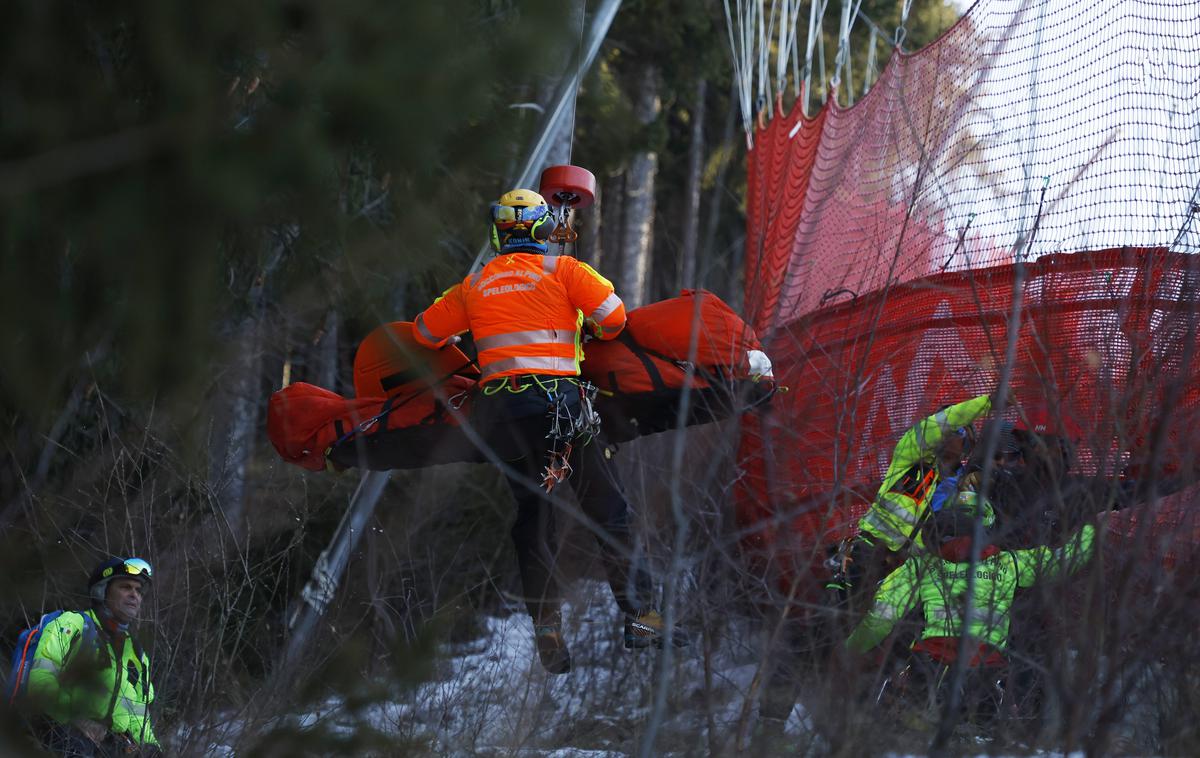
[(913, 475), (940, 587), (68, 682)]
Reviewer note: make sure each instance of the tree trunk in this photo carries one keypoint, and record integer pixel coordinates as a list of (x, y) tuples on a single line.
[(241, 398), (637, 226), (241, 422), (732, 288), (608, 250), (691, 192), (324, 370), (588, 247)]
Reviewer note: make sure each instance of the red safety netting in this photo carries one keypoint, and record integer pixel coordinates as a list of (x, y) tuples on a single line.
[(882, 243)]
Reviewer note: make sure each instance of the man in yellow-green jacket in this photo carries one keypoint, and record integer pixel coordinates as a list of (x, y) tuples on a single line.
[(921, 457), (938, 580), (931, 449), (89, 679)]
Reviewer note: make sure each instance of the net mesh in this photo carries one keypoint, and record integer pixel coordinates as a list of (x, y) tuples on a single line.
[(883, 243)]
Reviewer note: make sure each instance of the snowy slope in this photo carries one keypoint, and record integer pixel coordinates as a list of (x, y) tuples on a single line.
[(491, 696)]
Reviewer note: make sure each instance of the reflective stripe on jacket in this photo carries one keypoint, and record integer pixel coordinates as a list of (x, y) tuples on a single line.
[(88, 688), (939, 586), (897, 510), (525, 312)]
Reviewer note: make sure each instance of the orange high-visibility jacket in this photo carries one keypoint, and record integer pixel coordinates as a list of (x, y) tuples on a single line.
[(525, 312)]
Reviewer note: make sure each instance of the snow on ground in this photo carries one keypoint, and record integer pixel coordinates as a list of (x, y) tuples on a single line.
[(491, 696)]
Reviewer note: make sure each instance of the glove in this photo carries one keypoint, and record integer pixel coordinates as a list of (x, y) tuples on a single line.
[(969, 482), (760, 365)]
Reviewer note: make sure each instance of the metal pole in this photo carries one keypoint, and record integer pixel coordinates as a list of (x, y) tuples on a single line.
[(331, 564)]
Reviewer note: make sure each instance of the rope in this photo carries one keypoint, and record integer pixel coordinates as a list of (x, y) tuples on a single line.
[(740, 63), (763, 36), (550, 386), (870, 61), (901, 32), (815, 14), (781, 45), (821, 48), (748, 55), (841, 62), (796, 83), (579, 55), (788, 41), (757, 32)]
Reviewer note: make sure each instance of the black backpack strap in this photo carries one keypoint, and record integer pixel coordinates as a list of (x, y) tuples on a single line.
[(714, 375), (118, 677), (119, 673), (385, 413), (83, 635), (643, 355), (144, 662), (138, 652)]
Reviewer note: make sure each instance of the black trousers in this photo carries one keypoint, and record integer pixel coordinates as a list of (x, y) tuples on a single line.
[(516, 426)]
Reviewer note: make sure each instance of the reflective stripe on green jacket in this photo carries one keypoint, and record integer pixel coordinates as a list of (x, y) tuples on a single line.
[(68, 683), (940, 587), (895, 515)]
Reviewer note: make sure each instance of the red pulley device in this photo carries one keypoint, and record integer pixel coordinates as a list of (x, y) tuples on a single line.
[(567, 187)]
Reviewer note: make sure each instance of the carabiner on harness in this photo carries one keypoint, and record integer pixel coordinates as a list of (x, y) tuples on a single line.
[(567, 428)]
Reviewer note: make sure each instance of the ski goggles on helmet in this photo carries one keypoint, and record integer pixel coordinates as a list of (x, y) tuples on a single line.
[(130, 567), (508, 216)]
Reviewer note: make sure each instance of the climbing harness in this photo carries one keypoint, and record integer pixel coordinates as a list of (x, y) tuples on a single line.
[(839, 562), (566, 429), (568, 425)]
